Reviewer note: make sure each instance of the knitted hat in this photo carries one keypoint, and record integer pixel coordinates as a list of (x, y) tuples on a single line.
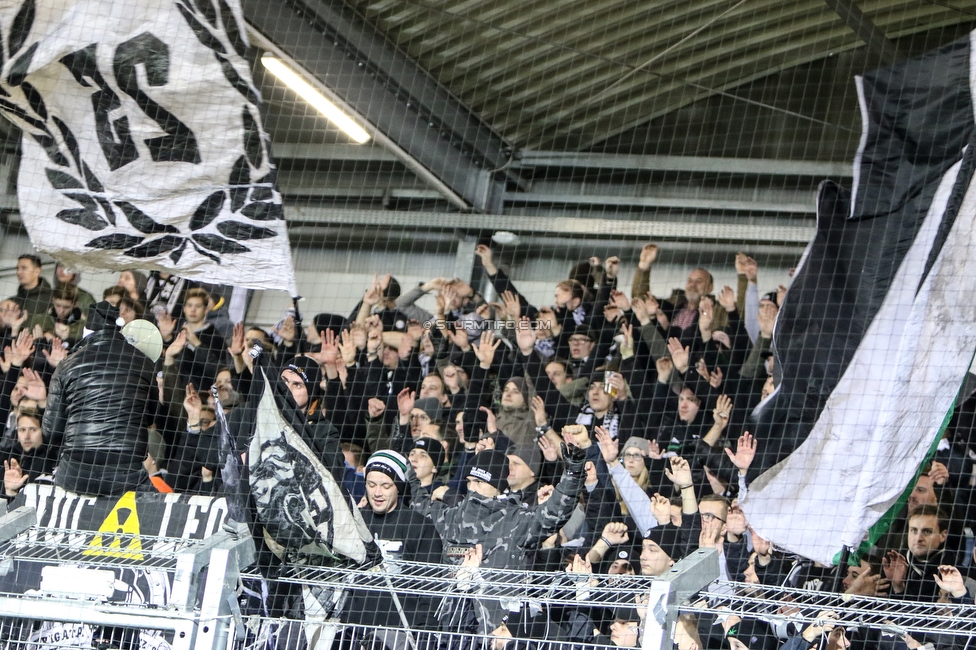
[(102, 316), (669, 539), (626, 614), (523, 387), (392, 464), (490, 466), (640, 443), (309, 370), (326, 321), (531, 456), (430, 406), (433, 448)]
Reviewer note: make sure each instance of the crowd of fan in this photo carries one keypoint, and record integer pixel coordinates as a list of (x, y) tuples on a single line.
[(602, 435)]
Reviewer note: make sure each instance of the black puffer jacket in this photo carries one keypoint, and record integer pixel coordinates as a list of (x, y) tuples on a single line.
[(97, 407)]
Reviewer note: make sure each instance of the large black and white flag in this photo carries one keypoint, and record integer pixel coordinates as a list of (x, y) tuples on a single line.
[(296, 498), (878, 329), (143, 143)]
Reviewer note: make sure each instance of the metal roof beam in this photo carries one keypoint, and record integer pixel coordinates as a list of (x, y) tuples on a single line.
[(427, 127), (685, 164), (876, 40), (652, 230)]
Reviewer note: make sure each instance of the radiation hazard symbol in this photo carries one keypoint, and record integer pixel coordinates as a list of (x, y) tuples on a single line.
[(123, 525)]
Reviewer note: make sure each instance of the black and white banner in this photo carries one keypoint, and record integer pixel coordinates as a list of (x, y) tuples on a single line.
[(143, 144), (878, 330)]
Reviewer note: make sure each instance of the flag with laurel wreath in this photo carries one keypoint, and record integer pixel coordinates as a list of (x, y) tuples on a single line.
[(143, 145)]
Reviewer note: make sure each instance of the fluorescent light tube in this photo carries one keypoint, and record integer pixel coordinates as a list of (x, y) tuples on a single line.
[(305, 90)]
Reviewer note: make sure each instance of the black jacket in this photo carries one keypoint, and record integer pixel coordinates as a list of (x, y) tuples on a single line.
[(96, 408)]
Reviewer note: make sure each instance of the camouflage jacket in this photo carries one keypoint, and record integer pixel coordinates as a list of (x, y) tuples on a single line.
[(504, 526)]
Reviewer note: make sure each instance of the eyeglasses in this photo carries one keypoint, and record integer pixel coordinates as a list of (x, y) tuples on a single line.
[(633, 456), (579, 339), (708, 517)]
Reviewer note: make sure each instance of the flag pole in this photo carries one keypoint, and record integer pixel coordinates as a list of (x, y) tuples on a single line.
[(845, 555)]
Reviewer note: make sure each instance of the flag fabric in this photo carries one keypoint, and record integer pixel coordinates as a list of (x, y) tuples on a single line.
[(878, 329), (297, 500), (143, 145)]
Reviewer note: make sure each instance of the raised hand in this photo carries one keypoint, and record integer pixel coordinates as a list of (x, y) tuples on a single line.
[(640, 310), (328, 355), (405, 402), (491, 425), (484, 253), (723, 408), (895, 568), (939, 473), (745, 453), (679, 355), (524, 335), (513, 308), (781, 294), (485, 350), (723, 338), (680, 473), (472, 557), (549, 450), (347, 348), (544, 493), (664, 367), (869, 583), (609, 446), (661, 509), (373, 294), (619, 300), (237, 341), (192, 404), (648, 256), (62, 331), (735, 523), (715, 378), (373, 341), (538, 406), (36, 390), (176, 346), (654, 450), (21, 349), (405, 349), (166, 325), (628, 331), (57, 354), (615, 533), (14, 477), (949, 579), (727, 299), (375, 407), (612, 266), (18, 322), (706, 314)]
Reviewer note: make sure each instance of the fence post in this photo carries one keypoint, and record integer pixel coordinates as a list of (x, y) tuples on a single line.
[(669, 590)]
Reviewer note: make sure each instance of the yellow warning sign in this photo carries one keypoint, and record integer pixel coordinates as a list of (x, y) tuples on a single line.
[(122, 522)]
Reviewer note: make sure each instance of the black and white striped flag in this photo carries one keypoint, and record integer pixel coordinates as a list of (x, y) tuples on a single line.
[(878, 329)]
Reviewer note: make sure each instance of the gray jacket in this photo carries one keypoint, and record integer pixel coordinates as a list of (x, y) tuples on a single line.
[(505, 527)]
